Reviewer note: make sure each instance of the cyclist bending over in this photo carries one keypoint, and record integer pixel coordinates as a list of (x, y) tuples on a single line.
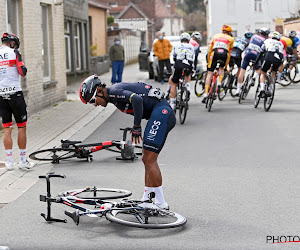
[(220, 49), (143, 102), (251, 53), (195, 41), (273, 50), (183, 57)]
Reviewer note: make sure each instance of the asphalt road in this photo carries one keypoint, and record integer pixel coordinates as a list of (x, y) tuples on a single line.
[(233, 173)]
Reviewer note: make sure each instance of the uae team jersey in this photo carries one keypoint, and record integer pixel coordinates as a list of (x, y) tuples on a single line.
[(9, 75)]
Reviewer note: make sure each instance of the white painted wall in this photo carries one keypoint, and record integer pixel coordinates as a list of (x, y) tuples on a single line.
[(241, 14), (177, 26)]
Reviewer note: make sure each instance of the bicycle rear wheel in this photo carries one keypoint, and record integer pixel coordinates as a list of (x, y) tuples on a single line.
[(244, 90), (146, 218), (183, 105), (269, 99), (98, 193), (200, 84), (53, 154), (257, 98), (212, 96), (294, 75)]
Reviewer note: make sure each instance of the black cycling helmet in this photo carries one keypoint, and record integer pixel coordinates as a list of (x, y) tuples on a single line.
[(88, 88), (11, 37), (248, 34), (292, 34)]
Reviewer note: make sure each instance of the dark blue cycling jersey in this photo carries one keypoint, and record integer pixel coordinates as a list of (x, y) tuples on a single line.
[(132, 98)]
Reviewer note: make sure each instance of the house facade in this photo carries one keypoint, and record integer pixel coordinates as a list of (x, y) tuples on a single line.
[(76, 30), (39, 25), (247, 15)]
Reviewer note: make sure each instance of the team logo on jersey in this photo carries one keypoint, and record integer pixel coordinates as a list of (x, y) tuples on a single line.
[(147, 86), (165, 111)]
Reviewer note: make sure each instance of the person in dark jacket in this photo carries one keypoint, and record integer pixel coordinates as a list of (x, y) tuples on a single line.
[(116, 55)]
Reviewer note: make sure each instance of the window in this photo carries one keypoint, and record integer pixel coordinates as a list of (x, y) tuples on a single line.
[(77, 46), (12, 16), (258, 5), (45, 43), (67, 46)]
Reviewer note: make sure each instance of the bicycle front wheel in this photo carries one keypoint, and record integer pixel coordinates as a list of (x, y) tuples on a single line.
[(146, 218), (98, 193), (200, 84), (53, 154), (183, 105)]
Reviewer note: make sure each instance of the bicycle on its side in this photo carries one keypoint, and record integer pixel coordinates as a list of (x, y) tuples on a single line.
[(228, 84), (74, 149), (248, 82), (213, 89), (269, 93), (96, 202), (182, 98)]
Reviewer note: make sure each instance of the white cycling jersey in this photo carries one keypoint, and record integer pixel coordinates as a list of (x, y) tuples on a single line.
[(184, 51), (273, 45), (9, 75)]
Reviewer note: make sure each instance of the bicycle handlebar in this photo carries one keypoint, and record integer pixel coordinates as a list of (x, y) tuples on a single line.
[(50, 175), (125, 132)]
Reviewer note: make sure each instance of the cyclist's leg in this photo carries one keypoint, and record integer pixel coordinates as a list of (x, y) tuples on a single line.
[(187, 79), (266, 65), (210, 69), (161, 122), (173, 80), (245, 64)]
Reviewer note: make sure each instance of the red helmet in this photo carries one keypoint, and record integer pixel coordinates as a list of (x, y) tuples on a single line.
[(11, 37), (88, 88), (226, 28)]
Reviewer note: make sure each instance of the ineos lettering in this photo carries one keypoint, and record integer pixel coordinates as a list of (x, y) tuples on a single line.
[(153, 131)]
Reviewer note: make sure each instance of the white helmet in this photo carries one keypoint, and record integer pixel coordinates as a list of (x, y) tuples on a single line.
[(185, 36), (197, 35), (275, 35), (264, 31)]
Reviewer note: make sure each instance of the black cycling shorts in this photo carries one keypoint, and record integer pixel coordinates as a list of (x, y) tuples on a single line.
[(235, 60), (179, 66), (269, 60), (13, 105), (161, 122), (218, 54)]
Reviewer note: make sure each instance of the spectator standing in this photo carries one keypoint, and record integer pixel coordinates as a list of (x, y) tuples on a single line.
[(12, 100), (117, 56), (162, 49)]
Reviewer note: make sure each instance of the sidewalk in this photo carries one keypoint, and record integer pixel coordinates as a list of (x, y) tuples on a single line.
[(46, 128)]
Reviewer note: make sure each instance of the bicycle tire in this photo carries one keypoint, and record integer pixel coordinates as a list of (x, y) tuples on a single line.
[(199, 88), (128, 217), (212, 96), (224, 87), (183, 105), (269, 100), (51, 154), (244, 90), (98, 193), (293, 74), (257, 98)]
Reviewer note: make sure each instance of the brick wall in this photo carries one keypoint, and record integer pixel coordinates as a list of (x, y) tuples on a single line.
[(292, 25), (30, 34)]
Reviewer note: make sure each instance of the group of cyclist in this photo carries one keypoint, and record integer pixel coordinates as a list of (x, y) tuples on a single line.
[(266, 51)]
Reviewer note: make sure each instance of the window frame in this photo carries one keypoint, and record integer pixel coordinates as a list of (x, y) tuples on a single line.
[(258, 5), (77, 48), (46, 29), (67, 37), (16, 14)]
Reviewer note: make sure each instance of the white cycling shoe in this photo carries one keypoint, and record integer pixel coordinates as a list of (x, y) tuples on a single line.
[(9, 165), (147, 204), (27, 165)]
